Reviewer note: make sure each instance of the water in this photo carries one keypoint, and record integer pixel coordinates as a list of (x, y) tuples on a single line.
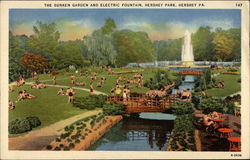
[(138, 134), (187, 48)]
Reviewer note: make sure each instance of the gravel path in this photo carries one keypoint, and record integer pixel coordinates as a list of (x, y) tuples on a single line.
[(37, 139)]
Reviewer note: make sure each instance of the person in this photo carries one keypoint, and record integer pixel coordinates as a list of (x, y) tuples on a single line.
[(112, 91), (70, 95), (118, 91), (139, 82), (21, 96), (91, 89), (207, 121), (11, 105), (124, 94), (35, 76), (95, 74), (27, 95), (11, 89), (72, 78), (61, 92), (186, 95), (54, 80)]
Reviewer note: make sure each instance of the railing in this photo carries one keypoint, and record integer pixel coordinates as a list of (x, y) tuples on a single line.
[(144, 104)]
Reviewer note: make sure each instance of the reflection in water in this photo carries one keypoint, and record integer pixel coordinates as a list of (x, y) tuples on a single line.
[(135, 134)]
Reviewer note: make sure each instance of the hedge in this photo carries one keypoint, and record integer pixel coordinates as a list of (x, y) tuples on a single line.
[(22, 125)]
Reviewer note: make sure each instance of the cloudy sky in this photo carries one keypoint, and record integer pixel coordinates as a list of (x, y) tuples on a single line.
[(160, 24)]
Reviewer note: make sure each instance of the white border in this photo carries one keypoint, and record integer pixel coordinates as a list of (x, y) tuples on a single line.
[(5, 154)]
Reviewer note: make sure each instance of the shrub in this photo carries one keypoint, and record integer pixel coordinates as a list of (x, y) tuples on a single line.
[(90, 102), (69, 140), (211, 104), (66, 128), (71, 145), (61, 145), (57, 148), (181, 108), (48, 147), (66, 148), (58, 140), (77, 141), (19, 126), (113, 109), (22, 125), (34, 121)]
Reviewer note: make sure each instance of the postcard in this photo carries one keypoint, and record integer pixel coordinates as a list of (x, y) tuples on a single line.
[(125, 79)]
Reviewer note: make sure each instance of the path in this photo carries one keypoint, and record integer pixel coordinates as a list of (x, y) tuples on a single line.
[(62, 86), (37, 139)]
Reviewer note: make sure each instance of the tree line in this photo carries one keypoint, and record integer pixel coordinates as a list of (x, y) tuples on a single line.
[(43, 50), (218, 45)]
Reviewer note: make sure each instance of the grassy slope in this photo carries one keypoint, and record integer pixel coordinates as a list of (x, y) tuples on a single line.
[(47, 105), (231, 86)]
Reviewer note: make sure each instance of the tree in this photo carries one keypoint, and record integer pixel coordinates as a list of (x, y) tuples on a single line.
[(224, 45), (100, 49), (203, 46), (16, 51), (34, 62), (45, 38), (69, 53), (109, 26), (132, 47)]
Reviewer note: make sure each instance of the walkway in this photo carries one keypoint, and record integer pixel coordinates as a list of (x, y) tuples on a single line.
[(37, 139), (62, 86)]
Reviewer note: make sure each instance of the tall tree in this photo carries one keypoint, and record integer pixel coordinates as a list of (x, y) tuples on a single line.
[(132, 47), (16, 51), (203, 47), (224, 45), (45, 38), (109, 26)]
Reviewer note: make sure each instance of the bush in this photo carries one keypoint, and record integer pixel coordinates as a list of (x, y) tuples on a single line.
[(71, 145), (48, 147), (211, 104), (22, 125), (90, 102), (58, 140), (69, 140), (77, 141), (181, 108), (66, 148), (57, 149), (61, 145), (34, 121), (113, 109)]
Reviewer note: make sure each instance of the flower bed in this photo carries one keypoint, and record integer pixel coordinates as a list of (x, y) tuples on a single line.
[(84, 133)]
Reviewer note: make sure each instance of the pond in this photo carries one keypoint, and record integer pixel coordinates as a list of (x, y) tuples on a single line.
[(149, 132)]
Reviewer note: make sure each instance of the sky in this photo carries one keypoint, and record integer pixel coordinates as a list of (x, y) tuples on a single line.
[(160, 24)]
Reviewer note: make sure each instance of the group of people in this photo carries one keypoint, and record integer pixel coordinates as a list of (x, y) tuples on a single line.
[(24, 95), (184, 95), (70, 92), (221, 84), (119, 93), (208, 120), (38, 85)]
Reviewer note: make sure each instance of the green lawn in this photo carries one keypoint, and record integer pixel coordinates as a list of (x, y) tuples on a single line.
[(231, 86), (47, 105)]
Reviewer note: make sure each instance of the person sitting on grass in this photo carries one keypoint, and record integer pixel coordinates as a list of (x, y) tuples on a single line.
[(11, 89), (27, 95), (72, 79), (11, 105), (61, 92), (80, 83), (21, 96)]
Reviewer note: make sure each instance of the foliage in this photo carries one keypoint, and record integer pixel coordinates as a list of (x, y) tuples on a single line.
[(211, 104), (132, 47), (202, 44), (227, 44), (160, 79), (113, 109), (34, 62), (22, 125), (183, 133), (109, 26), (168, 50), (182, 108), (45, 38), (90, 102)]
